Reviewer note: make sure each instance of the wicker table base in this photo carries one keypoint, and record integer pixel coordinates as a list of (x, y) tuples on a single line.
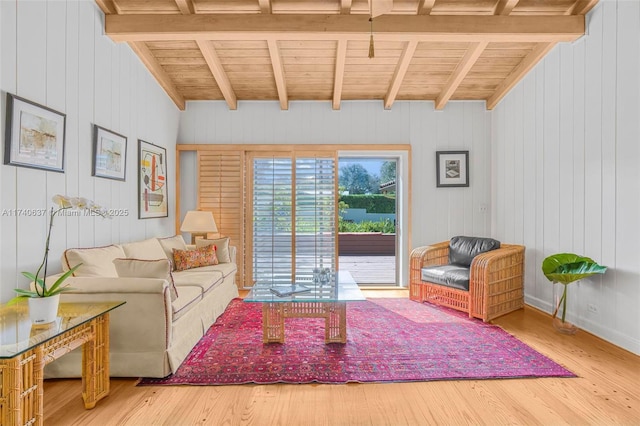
[(21, 395), (334, 314)]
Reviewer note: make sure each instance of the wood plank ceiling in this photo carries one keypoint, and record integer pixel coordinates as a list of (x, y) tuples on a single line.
[(284, 50)]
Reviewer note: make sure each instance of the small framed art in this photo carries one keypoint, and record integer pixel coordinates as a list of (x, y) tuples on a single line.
[(152, 181), (34, 135), (109, 154), (452, 168)]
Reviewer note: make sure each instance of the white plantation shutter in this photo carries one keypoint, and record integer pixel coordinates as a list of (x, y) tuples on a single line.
[(294, 217), (272, 219), (315, 213)]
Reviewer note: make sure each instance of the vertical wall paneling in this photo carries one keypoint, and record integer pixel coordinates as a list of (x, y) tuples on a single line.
[(31, 84), (71, 107), (540, 286), (581, 131), (55, 53), (56, 99), (627, 172), (8, 83), (88, 15), (104, 80)]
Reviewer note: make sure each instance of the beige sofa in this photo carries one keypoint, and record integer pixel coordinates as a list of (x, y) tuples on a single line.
[(151, 335)]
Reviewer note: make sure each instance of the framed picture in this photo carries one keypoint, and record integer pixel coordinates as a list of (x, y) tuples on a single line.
[(34, 135), (452, 168), (152, 181), (109, 154)]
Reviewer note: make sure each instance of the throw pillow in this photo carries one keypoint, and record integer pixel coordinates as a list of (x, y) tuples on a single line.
[(96, 261), (170, 243), (142, 268), (188, 259), (149, 249), (221, 245)]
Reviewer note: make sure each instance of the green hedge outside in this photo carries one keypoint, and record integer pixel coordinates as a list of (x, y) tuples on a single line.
[(374, 203), (385, 226)]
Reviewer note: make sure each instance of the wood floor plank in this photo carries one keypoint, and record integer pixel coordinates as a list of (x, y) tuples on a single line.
[(605, 392)]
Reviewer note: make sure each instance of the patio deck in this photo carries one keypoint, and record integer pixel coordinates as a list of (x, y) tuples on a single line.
[(370, 270)]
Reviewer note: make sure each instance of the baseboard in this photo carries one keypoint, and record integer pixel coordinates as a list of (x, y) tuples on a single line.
[(597, 329)]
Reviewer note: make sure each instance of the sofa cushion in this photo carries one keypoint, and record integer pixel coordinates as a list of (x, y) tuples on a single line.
[(189, 298), (187, 259), (453, 276), (462, 250), (205, 280), (170, 243), (225, 268), (221, 245), (140, 268), (149, 249), (96, 261)]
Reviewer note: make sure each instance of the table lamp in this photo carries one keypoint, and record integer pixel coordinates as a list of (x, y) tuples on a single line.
[(199, 224)]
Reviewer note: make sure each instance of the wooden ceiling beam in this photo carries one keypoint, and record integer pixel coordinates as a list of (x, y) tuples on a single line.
[(341, 60), (108, 7), (220, 75), (352, 27), (581, 7), (278, 73), (265, 6), (186, 6), (398, 76), (147, 58), (518, 73), (460, 73), (345, 7), (504, 7), (425, 7)]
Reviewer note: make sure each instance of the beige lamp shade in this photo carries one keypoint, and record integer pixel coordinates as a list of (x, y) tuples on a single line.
[(198, 223)]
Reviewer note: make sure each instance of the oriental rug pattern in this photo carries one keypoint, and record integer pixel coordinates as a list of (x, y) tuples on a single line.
[(388, 340)]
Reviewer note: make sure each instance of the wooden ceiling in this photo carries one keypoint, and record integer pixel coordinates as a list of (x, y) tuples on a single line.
[(284, 50)]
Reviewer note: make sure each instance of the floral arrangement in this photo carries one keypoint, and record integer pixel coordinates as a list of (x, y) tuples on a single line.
[(62, 203)]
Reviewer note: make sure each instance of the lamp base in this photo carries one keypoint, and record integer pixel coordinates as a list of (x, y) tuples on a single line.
[(197, 235)]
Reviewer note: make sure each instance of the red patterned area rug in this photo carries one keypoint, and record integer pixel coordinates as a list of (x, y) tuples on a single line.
[(388, 340)]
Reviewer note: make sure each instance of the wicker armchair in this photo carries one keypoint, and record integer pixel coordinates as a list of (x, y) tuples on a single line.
[(495, 281)]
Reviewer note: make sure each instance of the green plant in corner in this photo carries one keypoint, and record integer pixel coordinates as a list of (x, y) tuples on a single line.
[(565, 268), (63, 203)]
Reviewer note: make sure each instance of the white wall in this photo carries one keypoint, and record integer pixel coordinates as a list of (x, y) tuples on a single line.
[(438, 213), (54, 53), (566, 156)]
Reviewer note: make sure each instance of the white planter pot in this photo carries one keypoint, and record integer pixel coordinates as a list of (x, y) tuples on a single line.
[(43, 310)]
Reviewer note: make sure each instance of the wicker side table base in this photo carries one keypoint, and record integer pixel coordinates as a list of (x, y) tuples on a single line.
[(21, 395)]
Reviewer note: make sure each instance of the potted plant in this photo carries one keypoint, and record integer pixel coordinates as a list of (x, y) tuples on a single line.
[(43, 299), (562, 269)]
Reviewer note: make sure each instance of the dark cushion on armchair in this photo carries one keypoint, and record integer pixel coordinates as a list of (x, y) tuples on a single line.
[(462, 250), (453, 276)]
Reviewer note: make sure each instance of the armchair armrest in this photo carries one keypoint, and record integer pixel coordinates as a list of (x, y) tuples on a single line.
[(496, 281), (434, 254)]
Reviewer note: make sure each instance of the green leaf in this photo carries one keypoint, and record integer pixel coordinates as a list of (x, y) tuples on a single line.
[(39, 281), (566, 268), (54, 288), (23, 294)]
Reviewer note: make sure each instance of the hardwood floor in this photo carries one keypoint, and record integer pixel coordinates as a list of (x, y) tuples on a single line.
[(606, 392)]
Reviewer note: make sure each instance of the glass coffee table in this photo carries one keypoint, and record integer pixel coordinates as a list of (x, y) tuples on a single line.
[(328, 301), (25, 349)]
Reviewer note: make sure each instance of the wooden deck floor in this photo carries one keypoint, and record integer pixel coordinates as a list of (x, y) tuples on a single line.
[(370, 270)]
